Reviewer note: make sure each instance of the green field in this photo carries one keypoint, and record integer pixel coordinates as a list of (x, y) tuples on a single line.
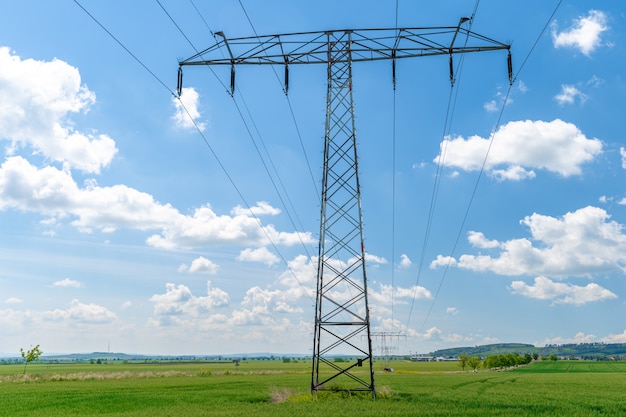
[(273, 388)]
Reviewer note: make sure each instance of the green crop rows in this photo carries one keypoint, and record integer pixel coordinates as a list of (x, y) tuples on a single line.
[(273, 388)]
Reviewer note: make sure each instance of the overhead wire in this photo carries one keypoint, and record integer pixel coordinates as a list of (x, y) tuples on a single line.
[(267, 153), (492, 138), (287, 207), (293, 116), (199, 130), (248, 130), (254, 142), (449, 116)]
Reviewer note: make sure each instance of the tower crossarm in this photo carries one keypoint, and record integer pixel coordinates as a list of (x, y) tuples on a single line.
[(367, 45)]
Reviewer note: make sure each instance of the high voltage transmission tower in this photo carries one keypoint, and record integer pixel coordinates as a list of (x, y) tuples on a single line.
[(342, 341)]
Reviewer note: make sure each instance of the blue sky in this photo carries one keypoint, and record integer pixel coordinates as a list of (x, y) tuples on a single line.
[(126, 225)]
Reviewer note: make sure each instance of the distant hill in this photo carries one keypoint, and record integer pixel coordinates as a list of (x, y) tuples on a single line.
[(581, 350), (486, 350)]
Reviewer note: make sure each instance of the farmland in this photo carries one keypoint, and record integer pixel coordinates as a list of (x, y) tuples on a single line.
[(272, 388)]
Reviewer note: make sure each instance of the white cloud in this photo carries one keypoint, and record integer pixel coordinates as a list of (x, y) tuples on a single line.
[(554, 146), (67, 283), (270, 301), (431, 334), (13, 300), (262, 208), (622, 152), (522, 87), (405, 261), (584, 34), (561, 293), (477, 239), (513, 173), (494, 105), (82, 313), (568, 95), (580, 337), (443, 261), (580, 243), (615, 338), (373, 259), (301, 270), (179, 301), (203, 265), (595, 81), (36, 98), (187, 113), (54, 193), (262, 255), (491, 106), (452, 311), (384, 295)]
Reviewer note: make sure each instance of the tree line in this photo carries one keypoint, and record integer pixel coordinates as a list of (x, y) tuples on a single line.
[(502, 361)]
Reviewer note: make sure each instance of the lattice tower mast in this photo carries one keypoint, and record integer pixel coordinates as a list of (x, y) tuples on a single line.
[(342, 320)]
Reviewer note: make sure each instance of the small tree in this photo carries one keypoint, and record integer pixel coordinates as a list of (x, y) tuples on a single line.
[(463, 358), (30, 355), (474, 363)]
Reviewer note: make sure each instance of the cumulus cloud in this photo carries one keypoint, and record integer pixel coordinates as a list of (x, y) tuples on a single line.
[(67, 283), (495, 104), (478, 240), (178, 300), (561, 293), (262, 255), (584, 34), (387, 294), (203, 265), (266, 301), (82, 313), (373, 259), (569, 94), (622, 152), (261, 208), (580, 243), (301, 270), (521, 146), (405, 261), (615, 338), (36, 98), (13, 300), (580, 337), (54, 193), (187, 113)]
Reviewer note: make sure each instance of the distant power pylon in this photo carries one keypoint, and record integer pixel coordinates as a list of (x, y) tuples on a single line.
[(342, 341)]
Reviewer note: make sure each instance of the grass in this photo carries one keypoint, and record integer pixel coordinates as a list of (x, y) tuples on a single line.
[(272, 388)]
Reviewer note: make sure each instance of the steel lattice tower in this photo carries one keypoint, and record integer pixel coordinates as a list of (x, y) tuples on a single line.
[(342, 341), (342, 324)]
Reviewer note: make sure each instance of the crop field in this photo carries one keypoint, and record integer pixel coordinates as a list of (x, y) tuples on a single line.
[(274, 388)]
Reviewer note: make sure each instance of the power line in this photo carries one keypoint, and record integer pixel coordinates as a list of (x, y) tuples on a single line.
[(251, 136), (204, 139), (293, 117), (267, 170), (484, 163), (124, 47), (447, 126)]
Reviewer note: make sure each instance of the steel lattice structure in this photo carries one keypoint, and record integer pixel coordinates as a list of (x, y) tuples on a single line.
[(342, 321)]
